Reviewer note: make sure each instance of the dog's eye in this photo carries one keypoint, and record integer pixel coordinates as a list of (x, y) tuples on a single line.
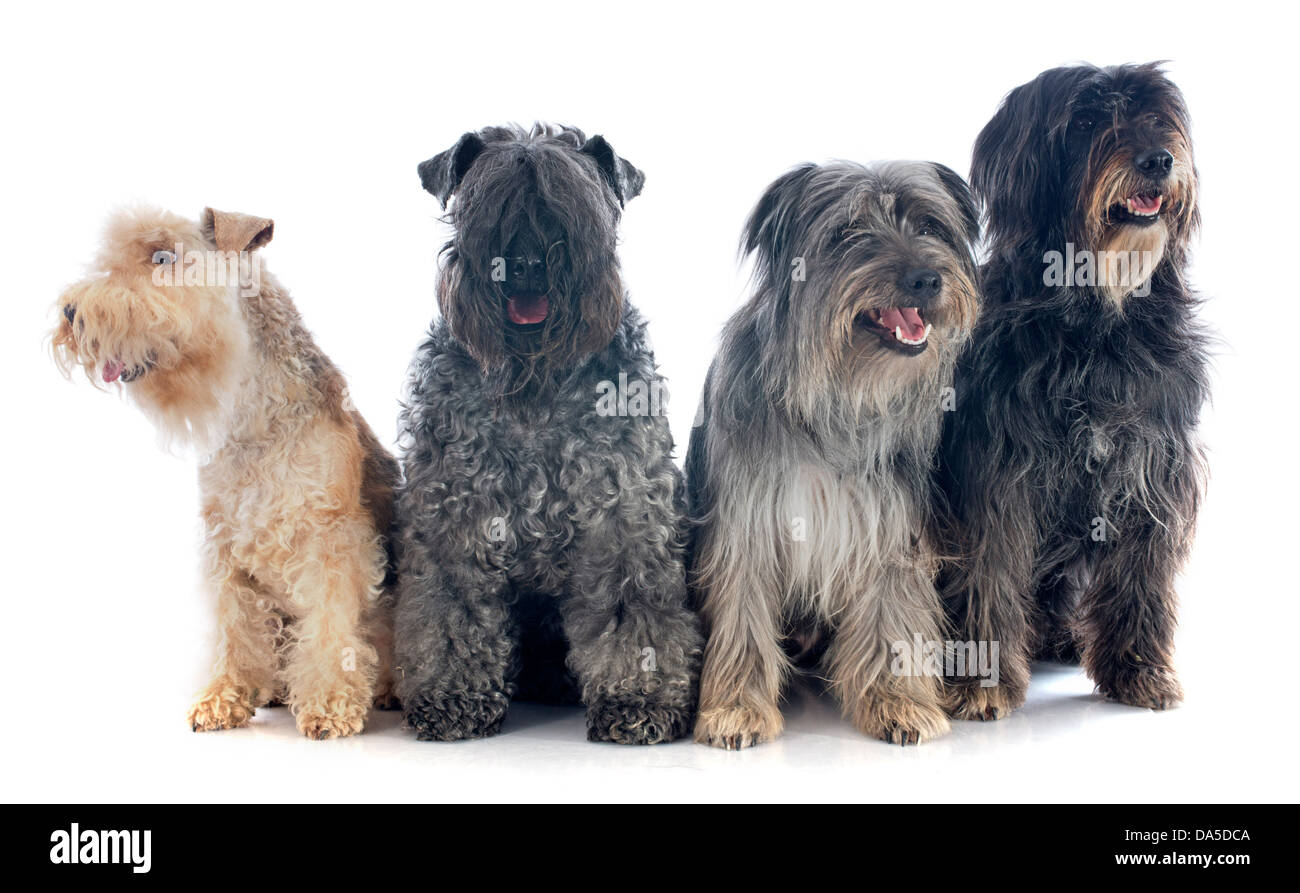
[(927, 228), (1083, 123), (164, 257)]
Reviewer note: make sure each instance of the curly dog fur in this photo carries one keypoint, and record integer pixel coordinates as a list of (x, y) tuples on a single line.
[(296, 492), (541, 536), (1071, 465)]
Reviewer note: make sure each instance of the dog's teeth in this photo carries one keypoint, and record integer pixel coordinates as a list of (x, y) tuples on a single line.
[(898, 333)]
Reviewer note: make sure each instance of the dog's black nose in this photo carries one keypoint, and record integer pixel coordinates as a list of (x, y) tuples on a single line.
[(527, 266), (69, 312), (527, 274), (1155, 163), (921, 284)]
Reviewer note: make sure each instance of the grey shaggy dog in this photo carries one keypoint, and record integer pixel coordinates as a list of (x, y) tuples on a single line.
[(809, 466), (541, 547)]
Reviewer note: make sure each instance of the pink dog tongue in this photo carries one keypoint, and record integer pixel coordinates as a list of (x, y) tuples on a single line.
[(1146, 204), (905, 318), (527, 311), (113, 370)]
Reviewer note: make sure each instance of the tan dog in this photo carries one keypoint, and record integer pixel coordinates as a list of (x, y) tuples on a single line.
[(297, 493)]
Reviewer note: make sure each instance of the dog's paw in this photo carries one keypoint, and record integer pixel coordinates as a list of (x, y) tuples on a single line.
[(977, 702), (901, 721), (736, 727), (1143, 685), (635, 721), (224, 705), (318, 724), (438, 716)]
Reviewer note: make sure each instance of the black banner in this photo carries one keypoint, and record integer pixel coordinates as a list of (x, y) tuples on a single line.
[(139, 843)]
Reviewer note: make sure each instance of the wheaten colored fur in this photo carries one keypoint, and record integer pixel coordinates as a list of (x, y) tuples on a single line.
[(296, 491)]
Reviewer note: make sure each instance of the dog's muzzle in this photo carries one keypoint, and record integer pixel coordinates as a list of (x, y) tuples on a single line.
[(1143, 207), (527, 284), (114, 370), (903, 327)]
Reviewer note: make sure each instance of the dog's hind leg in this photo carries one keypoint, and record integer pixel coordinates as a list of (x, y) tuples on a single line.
[(244, 677), (1055, 639), (544, 674), (380, 624), (885, 687)]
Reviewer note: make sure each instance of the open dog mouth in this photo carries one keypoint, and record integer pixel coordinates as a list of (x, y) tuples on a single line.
[(527, 308), (1140, 208), (116, 370), (902, 328)]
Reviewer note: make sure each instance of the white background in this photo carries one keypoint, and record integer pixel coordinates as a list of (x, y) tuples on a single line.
[(317, 116)]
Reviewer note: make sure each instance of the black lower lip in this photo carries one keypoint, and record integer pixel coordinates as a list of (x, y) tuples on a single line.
[(907, 350), (1122, 215), (131, 375)]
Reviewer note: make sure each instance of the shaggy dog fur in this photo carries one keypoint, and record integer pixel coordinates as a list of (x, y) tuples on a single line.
[(296, 491), (541, 546), (809, 468), (1071, 463)]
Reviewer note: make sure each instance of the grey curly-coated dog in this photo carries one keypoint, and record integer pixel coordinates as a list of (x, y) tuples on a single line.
[(541, 552)]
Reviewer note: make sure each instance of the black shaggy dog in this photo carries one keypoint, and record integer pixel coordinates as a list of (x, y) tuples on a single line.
[(541, 518), (1071, 464)]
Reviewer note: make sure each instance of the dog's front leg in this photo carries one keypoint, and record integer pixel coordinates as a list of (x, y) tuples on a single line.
[(332, 666), (455, 647), (885, 661), (1127, 616), (634, 643), (988, 604), (745, 666), (246, 665)]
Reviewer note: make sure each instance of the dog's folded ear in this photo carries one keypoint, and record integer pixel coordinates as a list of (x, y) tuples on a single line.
[(623, 178), (236, 232), (770, 228), (955, 186), (442, 173), (1014, 168)]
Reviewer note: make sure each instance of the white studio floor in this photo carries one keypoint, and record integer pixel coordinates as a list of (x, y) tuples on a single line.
[(1064, 745)]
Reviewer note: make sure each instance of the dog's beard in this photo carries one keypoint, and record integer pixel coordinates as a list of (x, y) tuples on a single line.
[(842, 370), (879, 333), (178, 354), (1128, 258), (521, 350), (1131, 224)]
